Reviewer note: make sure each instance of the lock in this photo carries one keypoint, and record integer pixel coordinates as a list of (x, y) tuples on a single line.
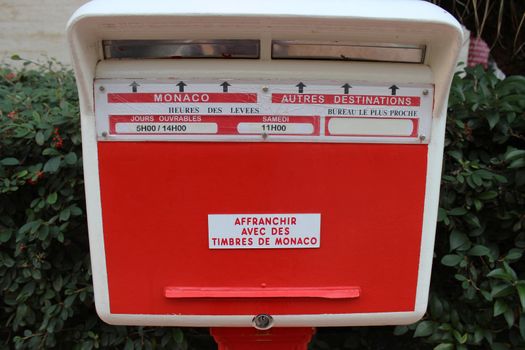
[(262, 322)]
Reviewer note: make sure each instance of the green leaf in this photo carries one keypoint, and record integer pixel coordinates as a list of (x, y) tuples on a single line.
[(520, 287), (457, 212), (9, 161), (43, 233), (458, 239), (65, 214), (76, 211), (129, 345), (522, 326), (493, 119), (517, 163), (400, 330), (50, 151), (35, 226), (424, 329), (69, 300), (514, 153), (442, 215), (71, 158), (52, 165), (87, 345), (39, 138), (510, 270), (478, 335), (436, 307), (509, 317), (478, 181), (451, 260), (484, 174), (16, 58), (487, 334), (460, 277), (479, 250), (22, 173), (488, 195), (8, 262), (502, 290), (25, 227), (500, 307), (477, 204), (500, 274), (472, 220), (52, 198), (514, 254), (57, 283), (26, 292), (462, 339), (486, 295), (178, 336), (5, 234), (444, 346), (29, 227), (456, 154), (36, 274), (36, 117), (445, 327)]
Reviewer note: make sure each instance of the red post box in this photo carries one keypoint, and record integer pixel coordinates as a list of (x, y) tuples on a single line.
[(268, 164)]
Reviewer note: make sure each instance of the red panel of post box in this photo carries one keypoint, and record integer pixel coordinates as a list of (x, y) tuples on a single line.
[(348, 258)]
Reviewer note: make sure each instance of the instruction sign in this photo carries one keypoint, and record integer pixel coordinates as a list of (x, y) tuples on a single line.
[(263, 231), (172, 110)]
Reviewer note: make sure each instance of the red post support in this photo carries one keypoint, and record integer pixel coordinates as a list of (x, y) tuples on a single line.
[(254, 339)]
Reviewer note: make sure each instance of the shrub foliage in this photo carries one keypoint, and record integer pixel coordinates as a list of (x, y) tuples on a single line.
[(478, 285), (482, 216), (45, 277)]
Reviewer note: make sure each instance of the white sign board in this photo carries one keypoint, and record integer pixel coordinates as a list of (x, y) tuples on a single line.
[(264, 231), (173, 110)]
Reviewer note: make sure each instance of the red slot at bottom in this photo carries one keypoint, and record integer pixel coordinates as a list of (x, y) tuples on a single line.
[(217, 292)]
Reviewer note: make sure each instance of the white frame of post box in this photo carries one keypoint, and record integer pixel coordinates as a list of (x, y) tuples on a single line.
[(397, 23)]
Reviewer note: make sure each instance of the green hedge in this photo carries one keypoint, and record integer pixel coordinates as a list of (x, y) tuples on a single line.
[(478, 282)]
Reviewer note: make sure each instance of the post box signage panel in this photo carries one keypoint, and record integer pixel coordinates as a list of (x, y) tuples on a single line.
[(269, 172), (263, 111)]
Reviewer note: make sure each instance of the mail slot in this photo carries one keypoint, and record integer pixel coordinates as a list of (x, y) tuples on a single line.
[(280, 159)]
